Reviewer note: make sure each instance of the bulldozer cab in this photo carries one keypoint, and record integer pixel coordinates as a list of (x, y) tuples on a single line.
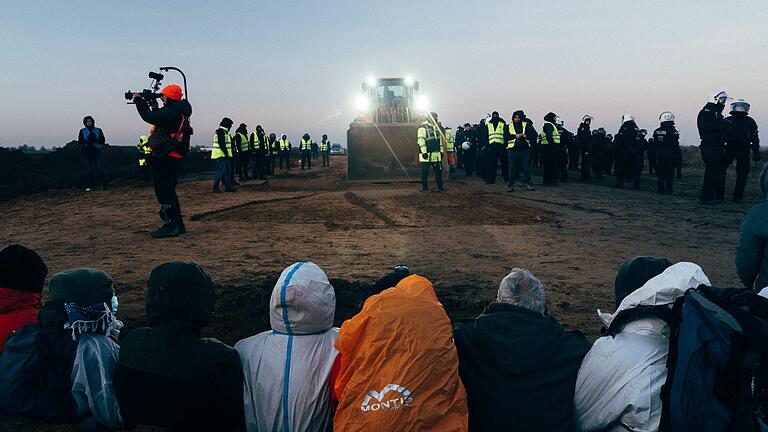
[(381, 141)]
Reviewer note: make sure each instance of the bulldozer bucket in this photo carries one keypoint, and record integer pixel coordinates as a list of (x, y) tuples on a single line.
[(382, 152)]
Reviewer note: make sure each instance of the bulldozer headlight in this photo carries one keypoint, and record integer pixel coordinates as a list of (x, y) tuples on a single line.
[(371, 81), (409, 81)]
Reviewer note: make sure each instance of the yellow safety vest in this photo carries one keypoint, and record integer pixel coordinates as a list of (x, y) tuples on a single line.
[(274, 147), (216, 152), (427, 130), (325, 145), (513, 132), (305, 144), (257, 144), (143, 148), (496, 136), (243, 142), (285, 144), (450, 145), (555, 134)]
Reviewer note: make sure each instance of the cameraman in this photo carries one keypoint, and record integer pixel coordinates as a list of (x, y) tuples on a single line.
[(169, 141)]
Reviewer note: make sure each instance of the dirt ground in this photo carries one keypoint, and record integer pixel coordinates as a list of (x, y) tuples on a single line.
[(573, 237)]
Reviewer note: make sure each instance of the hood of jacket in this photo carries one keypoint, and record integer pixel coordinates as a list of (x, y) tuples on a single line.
[(660, 290), (503, 328), (182, 107), (12, 300), (303, 300), (635, 272)]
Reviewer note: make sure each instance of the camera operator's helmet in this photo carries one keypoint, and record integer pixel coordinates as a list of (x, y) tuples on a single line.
[(740, 105), (666, 116), (173, 92)]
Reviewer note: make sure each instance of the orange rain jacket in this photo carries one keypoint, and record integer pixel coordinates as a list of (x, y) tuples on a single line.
[(399, 367)]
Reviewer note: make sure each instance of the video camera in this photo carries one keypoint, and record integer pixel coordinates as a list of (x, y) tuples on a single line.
[(151, 94)]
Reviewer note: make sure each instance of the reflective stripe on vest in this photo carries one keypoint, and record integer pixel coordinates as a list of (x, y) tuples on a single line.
[(427, 130), (555, 134), (496, 136), (325, 145), (284, 144), (450, 145), (258, 144), (216, 152), (305, 144), (512, 131)]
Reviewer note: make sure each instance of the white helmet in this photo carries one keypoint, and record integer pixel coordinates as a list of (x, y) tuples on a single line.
[(627, 117), (666, 116), (559, 122), (720, 96), (740, 105), (586, 117), (465, 145)]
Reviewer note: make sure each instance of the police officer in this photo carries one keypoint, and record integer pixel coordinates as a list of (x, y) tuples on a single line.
[(450, 149), (496, 150), (234, 161), (651, 156), (584, 136), (598, 148), (144, 158), (521, 134), (430, 152), (243, 151), (481, 138), (666, 143), (325, 150), (550, 140), (257, 144), (741, 136), (284, 147), (710, 125), (468, 143), (305, 147), (566, 146), (222, 154), (626, 144)]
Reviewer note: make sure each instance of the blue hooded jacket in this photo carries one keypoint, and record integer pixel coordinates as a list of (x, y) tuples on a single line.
[(752, 253)]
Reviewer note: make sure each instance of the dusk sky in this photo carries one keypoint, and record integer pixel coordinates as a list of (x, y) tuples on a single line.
[(296, 66)]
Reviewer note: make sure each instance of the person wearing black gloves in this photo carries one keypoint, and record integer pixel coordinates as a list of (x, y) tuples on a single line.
[(520, 135), (584, 136), (169, 142), (666, 150), (710, 125), (741, 136), (91, 140), (626, 148)]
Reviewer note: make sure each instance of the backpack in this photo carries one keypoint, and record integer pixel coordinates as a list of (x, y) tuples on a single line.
[(717, 368), (35, 374)]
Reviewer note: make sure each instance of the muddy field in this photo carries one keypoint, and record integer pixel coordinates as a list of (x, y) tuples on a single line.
[(574, 237)]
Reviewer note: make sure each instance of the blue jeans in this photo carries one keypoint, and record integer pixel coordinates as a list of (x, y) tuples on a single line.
[(95, 165), (223, 173), (517, 160)]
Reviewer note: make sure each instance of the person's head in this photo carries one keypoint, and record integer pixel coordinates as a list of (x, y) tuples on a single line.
[(587, 119), (303, 301), (88, 121), (243, 129), (625, 118), (171, 93), (521, 288), (467, 127), (22, 269), (550, 117), (180, 291), (88, 299), (325, 137), (740, 107), (306, 137), (667, 117), (259, 128), (518, 116), (495, 115), (226, 123), (720, 97), (434, 116), (391, 279), (284, 137), (635, 272), (643, 133), (272, 136)]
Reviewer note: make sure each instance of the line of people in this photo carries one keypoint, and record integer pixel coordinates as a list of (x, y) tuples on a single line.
[(398, 364), (263, 153)]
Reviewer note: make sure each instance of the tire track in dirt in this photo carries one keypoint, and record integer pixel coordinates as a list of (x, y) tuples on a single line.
[(207, 215), (369, 207)]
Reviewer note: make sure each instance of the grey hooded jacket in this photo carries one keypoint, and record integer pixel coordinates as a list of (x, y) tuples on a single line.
[(287, 370), (752, 253)]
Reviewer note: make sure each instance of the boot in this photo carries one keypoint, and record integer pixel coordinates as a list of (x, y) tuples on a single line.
[(169, 230)]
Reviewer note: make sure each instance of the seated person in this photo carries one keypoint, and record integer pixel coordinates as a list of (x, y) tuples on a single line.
[(287, 369), (22, 275), (399, 369), (170, 376), (619, 383), (752, 253), (517, 363)]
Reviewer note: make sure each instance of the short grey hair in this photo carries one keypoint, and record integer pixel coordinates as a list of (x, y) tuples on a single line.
[(521, 288)]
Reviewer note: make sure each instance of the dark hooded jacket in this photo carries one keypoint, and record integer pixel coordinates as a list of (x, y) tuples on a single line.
[(167, 374), (752, 253), (516, 128), (740, 132), (91, 139), (167, 120), (519, 369), (710, 124), (584, 136)]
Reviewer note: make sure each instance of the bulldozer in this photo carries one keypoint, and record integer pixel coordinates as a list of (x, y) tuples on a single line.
[(381, 141)]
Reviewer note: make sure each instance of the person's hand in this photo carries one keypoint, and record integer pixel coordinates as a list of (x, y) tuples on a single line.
[(136, 96), (519, 136)]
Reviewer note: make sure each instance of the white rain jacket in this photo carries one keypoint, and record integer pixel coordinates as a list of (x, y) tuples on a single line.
[(620, 379), (287, 370), (92, 388)]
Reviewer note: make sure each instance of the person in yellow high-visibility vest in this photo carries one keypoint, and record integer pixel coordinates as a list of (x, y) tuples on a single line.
[(274, 153), (496, 151), (285, 152), (243, 153), (222, 154), (144, 152), (550, 145), (430, 152), (325, 150), (305, 148), (450, 149)]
